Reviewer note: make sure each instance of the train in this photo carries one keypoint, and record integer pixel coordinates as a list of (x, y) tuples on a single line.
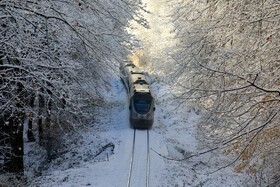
[(141, 100)]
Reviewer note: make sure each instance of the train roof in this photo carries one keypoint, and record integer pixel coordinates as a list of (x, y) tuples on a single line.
[(137, 77), (134, 70), (140, 83), (137, 80), (141, 88)]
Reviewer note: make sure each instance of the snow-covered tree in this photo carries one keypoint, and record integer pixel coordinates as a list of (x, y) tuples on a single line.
[(55, 58), (228, 60)]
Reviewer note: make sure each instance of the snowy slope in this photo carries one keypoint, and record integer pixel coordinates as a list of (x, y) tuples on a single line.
[(177, 124), (79, 166), (173, 135)]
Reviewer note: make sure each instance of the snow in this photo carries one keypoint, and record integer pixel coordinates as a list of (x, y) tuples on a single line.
[(173, 135), (74, 168), (139, 167)]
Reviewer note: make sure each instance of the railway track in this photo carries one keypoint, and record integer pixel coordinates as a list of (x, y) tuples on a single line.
[(139, 169)]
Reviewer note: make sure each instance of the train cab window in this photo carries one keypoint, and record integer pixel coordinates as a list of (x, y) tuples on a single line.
[(142, 106)]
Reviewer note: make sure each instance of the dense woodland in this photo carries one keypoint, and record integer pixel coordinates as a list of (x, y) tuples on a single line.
[(227, 61), (54, 60), (55, 57)]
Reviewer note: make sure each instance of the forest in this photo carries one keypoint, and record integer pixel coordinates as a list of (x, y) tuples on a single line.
[(56, 57), (229, 51)]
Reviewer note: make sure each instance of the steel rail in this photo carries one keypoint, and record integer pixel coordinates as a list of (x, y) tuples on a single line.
[(131, 160), (148, 160)]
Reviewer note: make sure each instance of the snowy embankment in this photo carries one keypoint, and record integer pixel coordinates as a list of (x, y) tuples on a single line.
[(99, 155), (177, 124)]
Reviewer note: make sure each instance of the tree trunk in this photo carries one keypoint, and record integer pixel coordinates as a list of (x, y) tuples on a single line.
[(16, 139), (40, 121), (30, 134)]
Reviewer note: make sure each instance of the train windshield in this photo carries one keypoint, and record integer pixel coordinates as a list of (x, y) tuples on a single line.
[(142, 106)]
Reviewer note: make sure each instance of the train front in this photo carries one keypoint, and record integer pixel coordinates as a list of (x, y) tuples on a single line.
[(142, 111)]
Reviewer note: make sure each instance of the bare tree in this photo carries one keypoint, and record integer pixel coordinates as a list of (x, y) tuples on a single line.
[(55, 58), (228, 61)]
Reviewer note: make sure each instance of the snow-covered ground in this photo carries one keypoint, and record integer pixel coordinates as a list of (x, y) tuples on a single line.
[(177, 124), (99, 155), (81, 166)]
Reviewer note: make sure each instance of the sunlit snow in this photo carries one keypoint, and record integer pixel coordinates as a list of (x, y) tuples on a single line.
[(173, 134)]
